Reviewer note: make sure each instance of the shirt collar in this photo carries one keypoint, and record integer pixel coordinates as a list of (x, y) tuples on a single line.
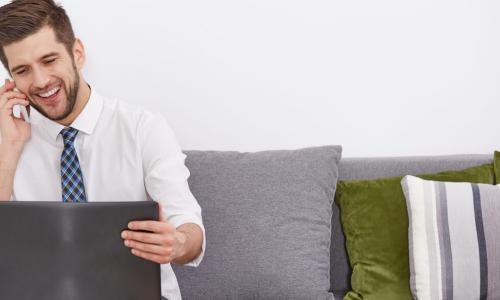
[(85, 122)]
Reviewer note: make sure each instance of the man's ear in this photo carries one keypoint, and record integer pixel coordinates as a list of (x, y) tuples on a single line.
[(79, 54)]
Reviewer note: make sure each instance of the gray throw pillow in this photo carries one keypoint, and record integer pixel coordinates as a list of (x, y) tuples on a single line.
[(267, 217)]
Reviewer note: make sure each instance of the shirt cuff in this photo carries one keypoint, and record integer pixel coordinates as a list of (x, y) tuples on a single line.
[(180, 220)]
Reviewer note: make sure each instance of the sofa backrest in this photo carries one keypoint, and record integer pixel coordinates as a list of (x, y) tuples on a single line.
[(370, 168)]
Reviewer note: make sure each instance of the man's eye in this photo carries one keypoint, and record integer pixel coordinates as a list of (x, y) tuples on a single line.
[(21, 72), (50, 61)]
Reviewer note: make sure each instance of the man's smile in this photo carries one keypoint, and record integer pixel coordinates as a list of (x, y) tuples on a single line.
[(50, 96)]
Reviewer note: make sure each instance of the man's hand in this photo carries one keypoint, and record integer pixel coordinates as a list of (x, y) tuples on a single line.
[(163, 243), (14, 132)]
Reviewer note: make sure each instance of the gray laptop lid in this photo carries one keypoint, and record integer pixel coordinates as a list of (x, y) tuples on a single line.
[(73, 251)]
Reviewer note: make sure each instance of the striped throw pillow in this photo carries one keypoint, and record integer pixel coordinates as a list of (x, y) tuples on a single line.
[(454, 239)]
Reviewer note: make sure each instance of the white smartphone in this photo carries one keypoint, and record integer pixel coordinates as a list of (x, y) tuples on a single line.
[(20, 111)]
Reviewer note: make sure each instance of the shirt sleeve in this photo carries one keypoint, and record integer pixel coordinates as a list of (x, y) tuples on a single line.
[(166, 175)]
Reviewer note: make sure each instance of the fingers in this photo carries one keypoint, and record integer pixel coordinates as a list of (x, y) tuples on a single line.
[(8, 107), (153, 226), (13, 94), (150, 248), (10, 95), (8, 86), (145, 237), (151, 240), (3, 88)]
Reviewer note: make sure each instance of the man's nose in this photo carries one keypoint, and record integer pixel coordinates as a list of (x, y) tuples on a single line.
[(40, 78)]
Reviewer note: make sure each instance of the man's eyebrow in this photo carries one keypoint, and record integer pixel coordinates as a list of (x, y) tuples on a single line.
[(15, 69), (49, 55)]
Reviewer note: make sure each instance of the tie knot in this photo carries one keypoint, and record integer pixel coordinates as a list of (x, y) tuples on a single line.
[(69, 134)]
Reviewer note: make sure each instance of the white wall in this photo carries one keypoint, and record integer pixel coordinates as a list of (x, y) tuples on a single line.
[(380, 77)]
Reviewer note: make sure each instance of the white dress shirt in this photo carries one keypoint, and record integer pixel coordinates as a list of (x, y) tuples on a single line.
[(125, 154)]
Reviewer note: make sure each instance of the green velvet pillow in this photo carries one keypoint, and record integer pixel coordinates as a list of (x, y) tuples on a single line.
[(375, 223)]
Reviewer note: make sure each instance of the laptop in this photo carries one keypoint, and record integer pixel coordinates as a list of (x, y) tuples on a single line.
[(73, 251)]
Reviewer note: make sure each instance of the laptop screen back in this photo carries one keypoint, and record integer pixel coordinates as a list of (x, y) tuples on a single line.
[(73, 251)]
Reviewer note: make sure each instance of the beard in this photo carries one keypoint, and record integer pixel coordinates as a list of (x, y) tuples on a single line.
[(71, 94)]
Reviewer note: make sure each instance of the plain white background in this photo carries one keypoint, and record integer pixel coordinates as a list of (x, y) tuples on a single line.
[(381, 78)]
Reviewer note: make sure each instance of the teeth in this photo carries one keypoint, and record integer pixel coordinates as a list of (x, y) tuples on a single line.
[(50, 93)]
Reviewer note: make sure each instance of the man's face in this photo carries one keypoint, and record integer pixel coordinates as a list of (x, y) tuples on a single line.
[(43, 69)]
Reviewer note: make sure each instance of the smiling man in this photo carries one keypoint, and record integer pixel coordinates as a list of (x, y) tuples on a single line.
[(80, 146)]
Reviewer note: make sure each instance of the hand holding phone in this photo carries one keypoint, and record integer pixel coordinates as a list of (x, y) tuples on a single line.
[(15, 130), (23, 112)]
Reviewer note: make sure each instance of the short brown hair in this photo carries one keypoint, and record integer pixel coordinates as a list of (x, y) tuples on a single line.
[(22, 18)]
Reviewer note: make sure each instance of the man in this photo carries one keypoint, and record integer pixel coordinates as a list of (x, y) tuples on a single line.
[(80, 146)]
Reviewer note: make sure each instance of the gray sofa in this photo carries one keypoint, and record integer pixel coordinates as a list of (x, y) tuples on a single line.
[(218, 278)]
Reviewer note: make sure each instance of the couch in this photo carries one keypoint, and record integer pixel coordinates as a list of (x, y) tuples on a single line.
[(216, 278)]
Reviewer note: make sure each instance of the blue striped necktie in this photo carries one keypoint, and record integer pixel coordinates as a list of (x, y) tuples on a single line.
[(73, 189)]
